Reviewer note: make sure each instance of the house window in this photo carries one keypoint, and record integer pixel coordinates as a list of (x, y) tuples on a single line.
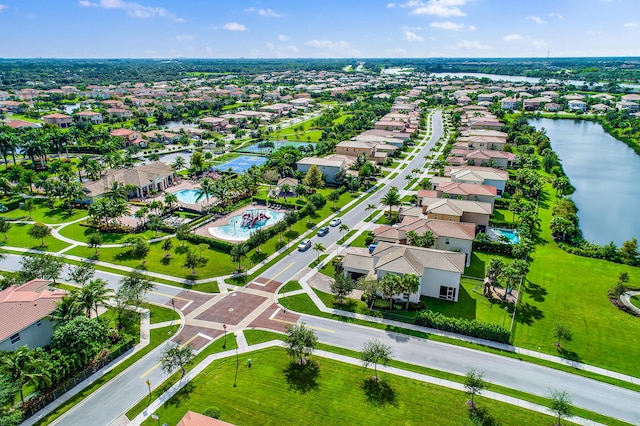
[(446, 241), (447, 293), (38, 323), (15, 338), (435, 216)]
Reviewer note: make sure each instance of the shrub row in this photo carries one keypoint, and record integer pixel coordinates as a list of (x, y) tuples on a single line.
[(493, 247), (473, 328), (501, 203), (214, 244), (502, 224)]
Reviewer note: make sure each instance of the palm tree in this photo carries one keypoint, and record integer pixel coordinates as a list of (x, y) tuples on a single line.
[(97, 294), (343, 228), (207, 188), (391, 198), (409, 284), (179, 163), (390, 285), (318, 247), (170, 199), (21, 365), (117, 191), (66, 309), (141, 215)]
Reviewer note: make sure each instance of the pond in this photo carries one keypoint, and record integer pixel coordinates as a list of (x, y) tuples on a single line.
[(520, 78), (605, 173)]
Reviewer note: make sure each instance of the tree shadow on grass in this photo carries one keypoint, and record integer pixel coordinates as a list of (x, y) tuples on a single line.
[(302, 378), (567, 354), (536, 292), (527, 314), (181, 249), (182, 395), (378, 392)]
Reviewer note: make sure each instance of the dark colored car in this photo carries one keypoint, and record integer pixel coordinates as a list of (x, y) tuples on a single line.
[(323, 231)]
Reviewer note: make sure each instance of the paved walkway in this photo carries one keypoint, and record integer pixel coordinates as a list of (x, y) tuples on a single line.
[(156, 404), (625, 298)]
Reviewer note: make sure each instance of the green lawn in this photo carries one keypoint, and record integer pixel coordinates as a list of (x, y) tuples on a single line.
[(471, 304), (271, 392), (17, 237), (290, 286), (160, 313), (565, 288), (43, 214), (635, 301), (80, 233), (359, 240), (218, 263)]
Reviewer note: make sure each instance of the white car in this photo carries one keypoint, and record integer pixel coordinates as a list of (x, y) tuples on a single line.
[(304, 245), (335, 222)]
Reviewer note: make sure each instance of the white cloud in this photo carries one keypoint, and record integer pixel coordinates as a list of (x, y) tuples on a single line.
[(398, 51), (411, 36), (536, 19), (234, 26), (451, 26), (269, 13), (512, 37), (328, 44), (283, 37), (443, 8), (631, 24), (184, 37), (135, 10), (3, 7), (556, 15), (339, 48), (538, 43), (472, 45)]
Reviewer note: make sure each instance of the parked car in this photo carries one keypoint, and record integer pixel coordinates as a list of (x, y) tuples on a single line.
[(335, 222), (323, 231), (304, 245)]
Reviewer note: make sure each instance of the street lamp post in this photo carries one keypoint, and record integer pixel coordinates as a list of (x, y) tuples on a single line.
[(224, 327), (149, 386), (504, 318), (173, 305), (235, 380)]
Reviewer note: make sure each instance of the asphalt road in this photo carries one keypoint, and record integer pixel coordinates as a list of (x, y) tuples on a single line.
[(509, 372), (287, 268)]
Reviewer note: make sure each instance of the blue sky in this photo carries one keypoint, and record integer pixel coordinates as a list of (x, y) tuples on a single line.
[(311, 28)]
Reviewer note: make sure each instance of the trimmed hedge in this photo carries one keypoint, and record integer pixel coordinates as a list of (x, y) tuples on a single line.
[(492, 247), (214, 244), (502, 224), (501, 203), (473, 328)]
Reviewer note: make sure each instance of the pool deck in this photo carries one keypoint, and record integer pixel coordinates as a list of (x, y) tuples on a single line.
[(204, 229)]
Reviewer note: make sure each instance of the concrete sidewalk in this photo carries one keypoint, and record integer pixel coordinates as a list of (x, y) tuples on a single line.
[(156, 404)]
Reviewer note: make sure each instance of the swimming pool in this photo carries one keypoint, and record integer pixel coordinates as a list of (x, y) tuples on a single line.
[(511, 234), (188, 196), (241, 164), (255, 148), (240, 227)]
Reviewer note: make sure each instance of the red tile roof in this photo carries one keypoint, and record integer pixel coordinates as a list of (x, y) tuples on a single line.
[(195, 419), (21, 306)]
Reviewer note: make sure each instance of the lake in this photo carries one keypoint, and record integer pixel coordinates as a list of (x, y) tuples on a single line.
[(606, 175), (520, 79)]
